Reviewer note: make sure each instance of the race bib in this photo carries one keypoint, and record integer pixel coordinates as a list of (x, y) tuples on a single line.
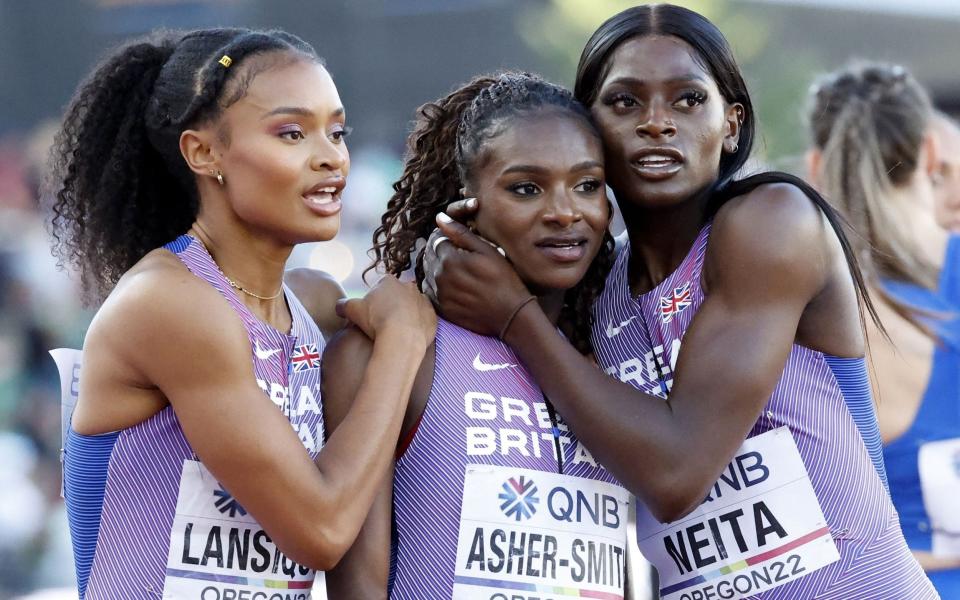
[(68, 363), (219, 552), (939, 464), (761, 526), (528, 535)]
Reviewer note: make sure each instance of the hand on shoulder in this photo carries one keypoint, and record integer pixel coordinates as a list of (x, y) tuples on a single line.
[(393, 308)]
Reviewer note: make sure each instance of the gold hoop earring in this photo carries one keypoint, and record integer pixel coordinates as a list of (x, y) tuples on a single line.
[(220, 178)]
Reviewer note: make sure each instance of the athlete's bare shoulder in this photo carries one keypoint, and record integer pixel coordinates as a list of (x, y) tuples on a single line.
[(777, 236), (158, 290), (770, 210), (146, 330), (159, 303), (775, 225), (318, 292)]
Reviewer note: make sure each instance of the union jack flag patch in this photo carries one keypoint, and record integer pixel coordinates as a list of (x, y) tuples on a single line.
[(674, 304), (305, 357)]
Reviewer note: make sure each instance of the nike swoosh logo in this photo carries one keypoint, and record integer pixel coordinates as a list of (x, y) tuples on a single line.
[(261, 353), (614, 331), (482, 366)]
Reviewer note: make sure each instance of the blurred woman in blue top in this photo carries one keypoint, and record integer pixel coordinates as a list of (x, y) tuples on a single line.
[(874, 155)]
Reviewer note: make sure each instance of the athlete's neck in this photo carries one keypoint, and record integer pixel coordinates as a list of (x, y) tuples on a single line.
[(659, 240), (254, 265), (552, 303)]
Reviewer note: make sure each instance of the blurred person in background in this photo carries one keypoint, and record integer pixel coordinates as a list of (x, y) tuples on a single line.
[(188, 167), (946, 178), (37, 306), (875, 156)]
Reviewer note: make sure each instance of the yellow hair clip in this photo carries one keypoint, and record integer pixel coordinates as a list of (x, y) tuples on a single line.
[(226, 61)]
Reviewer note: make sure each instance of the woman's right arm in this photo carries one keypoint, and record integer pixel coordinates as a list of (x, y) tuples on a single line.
[(175, 333), (363, 572), (777, 252)]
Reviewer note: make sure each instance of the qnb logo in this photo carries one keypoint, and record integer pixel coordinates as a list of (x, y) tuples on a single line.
[(518, 498), (227, 504)]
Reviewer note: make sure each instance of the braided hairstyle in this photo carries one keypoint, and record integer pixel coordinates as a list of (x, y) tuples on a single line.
[(119, 185), (448, 139), (869, 122)]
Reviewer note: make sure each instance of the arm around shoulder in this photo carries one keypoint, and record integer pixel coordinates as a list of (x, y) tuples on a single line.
[(767, 259), (763, 266), (191, 345), (181, 336)]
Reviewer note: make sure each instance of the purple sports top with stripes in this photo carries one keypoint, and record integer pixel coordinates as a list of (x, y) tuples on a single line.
[(122, 489), (635, 337), (484, 408)]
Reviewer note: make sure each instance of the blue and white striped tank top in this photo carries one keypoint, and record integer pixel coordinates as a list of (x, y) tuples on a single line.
[(122, 488), (486, 421), (638, 340)]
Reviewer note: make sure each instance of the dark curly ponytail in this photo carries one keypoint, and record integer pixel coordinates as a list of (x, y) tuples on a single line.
[(119, 185), (449, 135), (430, 179)]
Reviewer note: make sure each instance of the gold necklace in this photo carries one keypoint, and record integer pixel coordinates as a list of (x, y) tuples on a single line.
[(237, 286), (233, 283)]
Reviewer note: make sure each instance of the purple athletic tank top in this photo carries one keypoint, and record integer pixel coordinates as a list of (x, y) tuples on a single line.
[(638, 340), (122, 497), (486, 412)]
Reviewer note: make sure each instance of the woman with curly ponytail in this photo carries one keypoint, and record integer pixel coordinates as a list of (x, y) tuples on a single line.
[(476, 418), (187, 168)]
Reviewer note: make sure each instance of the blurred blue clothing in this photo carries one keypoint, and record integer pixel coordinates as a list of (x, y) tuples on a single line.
[(938, 417)]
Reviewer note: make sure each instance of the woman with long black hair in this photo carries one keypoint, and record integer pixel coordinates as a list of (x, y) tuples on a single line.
[(752, 478)]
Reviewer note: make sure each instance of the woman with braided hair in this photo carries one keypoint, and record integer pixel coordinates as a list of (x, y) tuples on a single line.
[(730, 326), (875, 155), (489, 480), (187, 168)]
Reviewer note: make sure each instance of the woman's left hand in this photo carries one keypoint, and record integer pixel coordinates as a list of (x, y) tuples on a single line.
[(473, 284)]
